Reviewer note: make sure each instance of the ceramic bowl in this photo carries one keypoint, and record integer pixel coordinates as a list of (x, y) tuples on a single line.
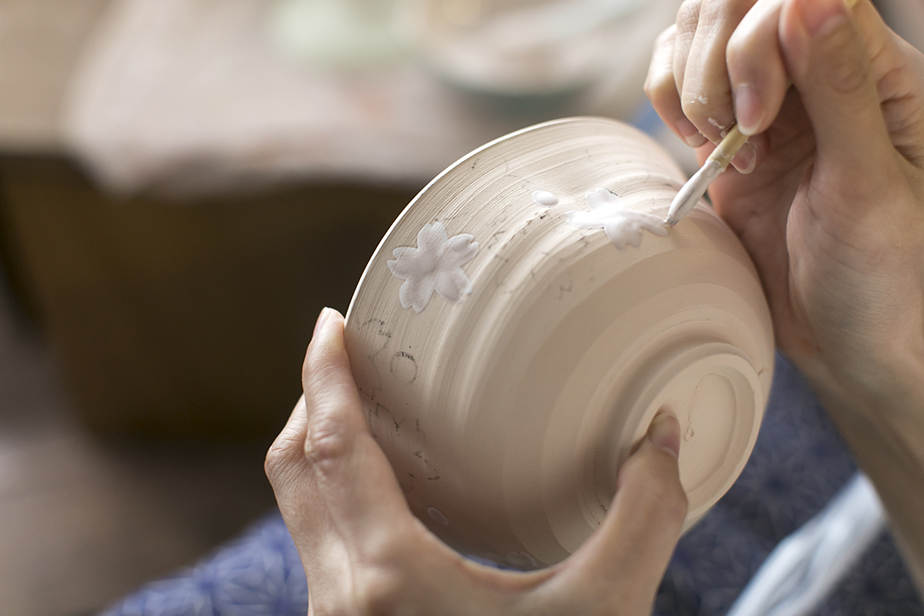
[(525, 318)]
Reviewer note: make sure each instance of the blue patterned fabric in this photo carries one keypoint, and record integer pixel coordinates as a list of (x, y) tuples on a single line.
[(257, 575), (798, 464)]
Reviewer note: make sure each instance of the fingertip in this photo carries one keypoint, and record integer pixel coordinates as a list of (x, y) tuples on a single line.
[(327, 335), (710, 113), (328, 321), (756, 69), (647, 514), (664, 433), (649, 488), (822, 16), (749, 110), (689, 133), (326, 364), (652, 476), (745, 161), (319, 324)]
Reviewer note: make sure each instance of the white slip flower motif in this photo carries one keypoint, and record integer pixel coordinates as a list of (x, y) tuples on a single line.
[(435, 265), (621, 225)]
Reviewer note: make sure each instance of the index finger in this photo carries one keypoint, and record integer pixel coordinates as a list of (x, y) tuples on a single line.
[(353, 478)]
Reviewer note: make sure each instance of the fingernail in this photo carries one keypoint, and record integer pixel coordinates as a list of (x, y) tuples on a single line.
[(322, 319), (822, 16), (746, 159), (664, 433), (691, 136), (748, 108)]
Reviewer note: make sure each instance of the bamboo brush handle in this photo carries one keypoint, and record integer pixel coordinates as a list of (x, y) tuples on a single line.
[(728, 147)]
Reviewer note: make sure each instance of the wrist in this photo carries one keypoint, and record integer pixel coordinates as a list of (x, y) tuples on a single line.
[(891, 406), (886, 385), (879, 409), (884, 429)]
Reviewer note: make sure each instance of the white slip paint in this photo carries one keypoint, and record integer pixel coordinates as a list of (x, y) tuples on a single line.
[(435, 265), (545, 198), (622, 226)]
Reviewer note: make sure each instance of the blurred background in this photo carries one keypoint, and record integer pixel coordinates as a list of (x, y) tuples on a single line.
[(183, 185)]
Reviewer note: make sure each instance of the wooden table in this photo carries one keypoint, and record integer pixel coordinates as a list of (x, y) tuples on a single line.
[(40, 42)]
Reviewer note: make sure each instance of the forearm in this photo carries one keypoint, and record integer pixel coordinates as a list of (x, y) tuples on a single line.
[(886, 436)]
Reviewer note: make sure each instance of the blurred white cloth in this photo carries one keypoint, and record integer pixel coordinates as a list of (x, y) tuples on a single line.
[(187, 96), (806, 567)]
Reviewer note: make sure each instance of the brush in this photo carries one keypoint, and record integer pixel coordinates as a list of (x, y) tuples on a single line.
[(696, 186)]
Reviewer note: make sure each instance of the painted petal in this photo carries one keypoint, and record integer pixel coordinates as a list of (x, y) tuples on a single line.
[(453, 284), (634, 237), (461, 280), (602, 198), (402, 265), (432, 238), (415, 263), (617, 235), (415, 293), (585, 220), (460, 250)]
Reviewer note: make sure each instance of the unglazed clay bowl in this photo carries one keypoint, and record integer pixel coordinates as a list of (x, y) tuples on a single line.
[(525, 318)]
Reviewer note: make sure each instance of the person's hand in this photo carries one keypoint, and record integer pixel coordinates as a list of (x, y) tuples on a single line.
[(829, 202), (833, 213), (365, 553)]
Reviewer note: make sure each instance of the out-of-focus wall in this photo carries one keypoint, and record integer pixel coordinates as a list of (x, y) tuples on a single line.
[(40, 41), (173, 321), (906, 17)]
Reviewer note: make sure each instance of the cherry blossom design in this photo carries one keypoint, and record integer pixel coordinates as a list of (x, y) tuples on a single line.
[(435, 265), (622, 226)]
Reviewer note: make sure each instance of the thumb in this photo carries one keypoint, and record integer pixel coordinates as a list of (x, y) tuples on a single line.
[(831, 68), (641, 530)]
